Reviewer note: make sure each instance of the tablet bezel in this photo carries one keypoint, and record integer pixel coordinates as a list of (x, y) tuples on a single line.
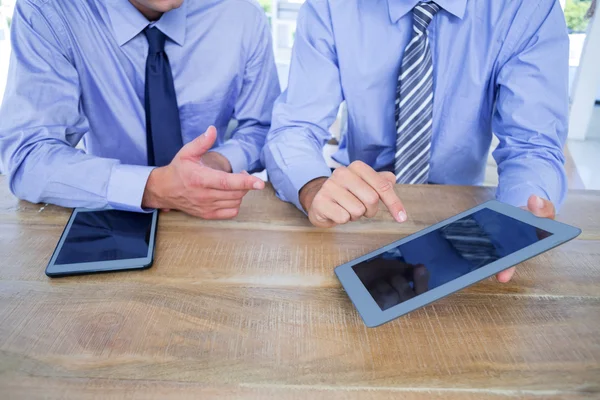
[(372, 314), (57, 270)]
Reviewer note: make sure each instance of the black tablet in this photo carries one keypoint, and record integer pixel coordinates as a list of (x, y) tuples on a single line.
[(104, 241), (447, 257)]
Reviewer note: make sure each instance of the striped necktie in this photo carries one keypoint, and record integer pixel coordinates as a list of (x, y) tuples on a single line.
[(414, 102)]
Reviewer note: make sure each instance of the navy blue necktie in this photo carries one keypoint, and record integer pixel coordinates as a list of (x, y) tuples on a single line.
[(163, 127)]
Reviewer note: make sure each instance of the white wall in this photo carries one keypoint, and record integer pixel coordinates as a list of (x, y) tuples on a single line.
[(584, 91)]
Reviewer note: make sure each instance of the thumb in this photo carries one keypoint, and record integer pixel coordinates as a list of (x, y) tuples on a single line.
[(199, 146), (541, 207)]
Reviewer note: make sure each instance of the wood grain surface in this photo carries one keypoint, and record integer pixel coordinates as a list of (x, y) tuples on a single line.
[(251, 309)]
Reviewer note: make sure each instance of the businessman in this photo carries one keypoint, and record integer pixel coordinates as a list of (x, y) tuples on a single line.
[(425, 85), (150, 87)]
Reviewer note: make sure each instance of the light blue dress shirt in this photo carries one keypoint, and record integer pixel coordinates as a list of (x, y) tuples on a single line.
[(499, 66), (78, 71)]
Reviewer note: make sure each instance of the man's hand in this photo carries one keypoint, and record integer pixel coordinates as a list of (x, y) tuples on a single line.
[(540, 208), (350, 194), (190, 184)]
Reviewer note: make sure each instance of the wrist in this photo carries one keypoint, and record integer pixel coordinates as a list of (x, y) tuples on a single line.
[(309, 191), (153, 193)]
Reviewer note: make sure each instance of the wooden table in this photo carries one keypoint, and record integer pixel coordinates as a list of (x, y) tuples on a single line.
[(251, 308)]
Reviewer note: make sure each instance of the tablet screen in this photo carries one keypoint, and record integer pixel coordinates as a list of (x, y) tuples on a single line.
[(443, 255), (107, 235)]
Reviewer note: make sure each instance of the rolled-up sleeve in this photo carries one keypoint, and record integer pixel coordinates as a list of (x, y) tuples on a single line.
[(254, 106), (303, 114), (41, 123), (531, 120)]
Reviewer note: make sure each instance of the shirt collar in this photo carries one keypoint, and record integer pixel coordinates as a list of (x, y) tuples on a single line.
[(173, 24), (399, 8), (127, 22)]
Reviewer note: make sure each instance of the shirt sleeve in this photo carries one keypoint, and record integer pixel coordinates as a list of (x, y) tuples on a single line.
[(531, 118), (303, 114), (254, 106), (41, 123)]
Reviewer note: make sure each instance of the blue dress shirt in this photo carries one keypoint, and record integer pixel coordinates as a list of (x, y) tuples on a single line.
[(77, 72), (499, 66)]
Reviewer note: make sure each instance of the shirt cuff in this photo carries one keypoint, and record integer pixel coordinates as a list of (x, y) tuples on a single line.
[(518, 195), (126, 187), (234, 153)]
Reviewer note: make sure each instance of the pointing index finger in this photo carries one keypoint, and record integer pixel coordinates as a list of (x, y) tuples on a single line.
[(383, 183), (220, 180)]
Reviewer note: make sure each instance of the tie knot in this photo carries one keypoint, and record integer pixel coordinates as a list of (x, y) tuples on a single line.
[(156, 40), (423, 14)]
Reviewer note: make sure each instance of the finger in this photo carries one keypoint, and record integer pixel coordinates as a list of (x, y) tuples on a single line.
[(359, 189), (335, 213), (197, 147), (421, 279), (327, 211), (380, 268), (367, 272), (321, 221), (215, 194), (350, 203), (384, 186), (394, 199), (209, 178), (541, 207), (506, 276), (384, 294), (223, 214), (402, 286), (226, 204)]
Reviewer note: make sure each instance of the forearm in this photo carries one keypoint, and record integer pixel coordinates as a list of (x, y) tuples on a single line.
[(41, 123), (302, 115), (292, 160), (59, 174), (532, 108), (521, 177)]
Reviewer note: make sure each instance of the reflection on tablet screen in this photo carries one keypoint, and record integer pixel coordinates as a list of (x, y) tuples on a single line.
[(106, 236), (443, 255)]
